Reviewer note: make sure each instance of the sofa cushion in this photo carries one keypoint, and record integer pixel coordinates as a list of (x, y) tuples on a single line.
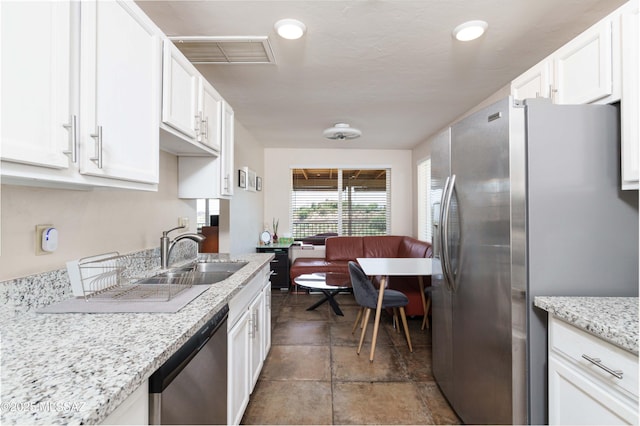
[(381, 246), (410, 247), (343, 248)]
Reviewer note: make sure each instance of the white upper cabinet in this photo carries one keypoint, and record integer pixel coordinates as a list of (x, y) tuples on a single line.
[(534, 83), (580, 72), (120, 77), (583, 67), (210, 114), (36, 77), (599, 66), (210, 177), (80, 101), (191, 108), (179, 92), (630, 114), (227, 160)]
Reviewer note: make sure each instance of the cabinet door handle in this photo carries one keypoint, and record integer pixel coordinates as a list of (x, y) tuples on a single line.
[(72, 127), (196, 124), (98, 138), (205, 128), (598, 363)]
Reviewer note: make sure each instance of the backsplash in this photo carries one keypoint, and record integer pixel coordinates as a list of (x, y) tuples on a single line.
[(29, 293)]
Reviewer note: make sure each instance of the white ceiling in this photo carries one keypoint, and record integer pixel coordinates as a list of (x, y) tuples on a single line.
[(387, 67)]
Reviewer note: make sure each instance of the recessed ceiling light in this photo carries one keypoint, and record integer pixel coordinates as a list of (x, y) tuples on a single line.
[(470, 30), (291, 29)]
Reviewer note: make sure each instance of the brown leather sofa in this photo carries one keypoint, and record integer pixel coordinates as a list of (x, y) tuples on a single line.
[(340, 250)]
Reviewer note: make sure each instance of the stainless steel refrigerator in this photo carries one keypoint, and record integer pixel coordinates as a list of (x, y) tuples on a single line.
[(526, 202)]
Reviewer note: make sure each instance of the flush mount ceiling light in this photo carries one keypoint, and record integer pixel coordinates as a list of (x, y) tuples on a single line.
[(341, 131), (470, 30), (291, 29)]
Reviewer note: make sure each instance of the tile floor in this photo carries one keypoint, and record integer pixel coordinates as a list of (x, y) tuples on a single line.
[(313, 375)]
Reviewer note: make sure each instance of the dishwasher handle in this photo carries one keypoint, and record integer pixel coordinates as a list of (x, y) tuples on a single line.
[(164, 375)]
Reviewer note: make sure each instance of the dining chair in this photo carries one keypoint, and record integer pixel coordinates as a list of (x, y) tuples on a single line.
[(366, 296)]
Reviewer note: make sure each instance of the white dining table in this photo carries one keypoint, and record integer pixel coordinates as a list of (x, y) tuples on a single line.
[(386, 267)]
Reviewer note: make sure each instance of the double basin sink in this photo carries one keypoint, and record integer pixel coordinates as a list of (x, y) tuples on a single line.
[(201, 273)]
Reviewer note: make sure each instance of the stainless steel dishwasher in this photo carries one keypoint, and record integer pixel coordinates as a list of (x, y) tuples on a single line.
[(191, 387)]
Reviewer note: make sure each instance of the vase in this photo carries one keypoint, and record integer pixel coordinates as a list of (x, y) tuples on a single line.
[(275, 238)]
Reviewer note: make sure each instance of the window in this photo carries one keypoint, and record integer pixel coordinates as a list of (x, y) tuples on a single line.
[(205, 208), (424, 202), (344, 201)]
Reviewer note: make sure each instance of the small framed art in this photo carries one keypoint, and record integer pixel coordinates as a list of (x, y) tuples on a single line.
[(258, 183), (242, 179)]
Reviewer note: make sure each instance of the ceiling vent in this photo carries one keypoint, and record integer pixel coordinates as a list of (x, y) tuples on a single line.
[(226, 50)]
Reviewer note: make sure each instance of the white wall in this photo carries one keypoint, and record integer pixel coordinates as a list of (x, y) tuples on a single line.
[(277, 183), (244, 211), (88, 222)]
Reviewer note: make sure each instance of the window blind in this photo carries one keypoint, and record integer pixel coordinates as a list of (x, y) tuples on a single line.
[(424, 202), (344, 201)]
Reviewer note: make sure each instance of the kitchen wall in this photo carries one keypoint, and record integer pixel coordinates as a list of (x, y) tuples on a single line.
[(277, 182), (88, 222), (241, 217)]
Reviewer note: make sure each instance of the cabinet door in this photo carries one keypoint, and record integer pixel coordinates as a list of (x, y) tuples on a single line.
[(36, 82), (583, 67), (574, 399), (266, 323), (226, 157), (120, 84), (630, 102), (179, 92), (256, 344), (534, 83), (210, 105), (238, 370)]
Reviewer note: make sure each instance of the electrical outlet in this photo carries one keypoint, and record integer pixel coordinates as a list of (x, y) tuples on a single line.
[(183, 221), (39, 230)]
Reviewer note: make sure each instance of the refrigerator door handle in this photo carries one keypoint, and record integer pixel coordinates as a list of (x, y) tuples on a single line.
[(440, 234), (446, 260)]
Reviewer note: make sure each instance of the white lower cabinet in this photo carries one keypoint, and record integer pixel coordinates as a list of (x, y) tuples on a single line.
[(249, 340), (581, 390), (134, 410), (238, 370)]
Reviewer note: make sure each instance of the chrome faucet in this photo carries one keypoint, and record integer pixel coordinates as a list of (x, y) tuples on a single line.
[(166, 245)]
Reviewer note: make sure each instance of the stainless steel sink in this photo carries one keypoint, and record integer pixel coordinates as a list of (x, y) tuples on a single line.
[(202, 273)]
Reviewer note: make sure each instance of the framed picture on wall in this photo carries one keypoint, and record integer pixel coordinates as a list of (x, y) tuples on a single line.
[(242, 179), (251, 179), (258, 183)]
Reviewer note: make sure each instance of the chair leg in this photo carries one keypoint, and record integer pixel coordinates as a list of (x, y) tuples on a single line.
[(396, 323), (367, 313), (406, 327), (358, 317), (425, 319)]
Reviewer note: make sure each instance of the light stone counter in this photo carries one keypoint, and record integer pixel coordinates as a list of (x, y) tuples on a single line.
[(77, 368), (614, 319)]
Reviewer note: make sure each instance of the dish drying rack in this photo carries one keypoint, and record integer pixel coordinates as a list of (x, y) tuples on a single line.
[(114, 277)]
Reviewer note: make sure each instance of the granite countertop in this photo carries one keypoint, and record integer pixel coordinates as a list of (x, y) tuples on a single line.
[(78, 368), (614, 319)]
